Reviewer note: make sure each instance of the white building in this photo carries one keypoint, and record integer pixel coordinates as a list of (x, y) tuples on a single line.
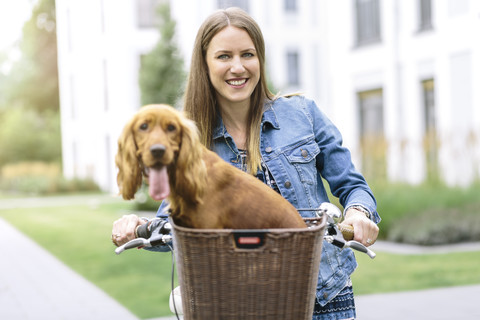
[(410, 68), (396, 76)]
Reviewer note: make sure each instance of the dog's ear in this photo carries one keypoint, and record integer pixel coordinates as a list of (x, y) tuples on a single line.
[(191, 172), (129, 177)]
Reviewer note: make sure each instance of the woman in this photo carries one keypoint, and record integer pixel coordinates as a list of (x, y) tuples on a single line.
[(244, 123)]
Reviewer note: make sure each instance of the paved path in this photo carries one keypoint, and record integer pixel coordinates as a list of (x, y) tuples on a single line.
[(400, 248), (92, 200), (436, 304)]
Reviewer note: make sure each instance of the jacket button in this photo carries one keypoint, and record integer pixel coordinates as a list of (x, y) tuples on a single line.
[(325, 295), (288, 184), (268, 149), (304, 153)]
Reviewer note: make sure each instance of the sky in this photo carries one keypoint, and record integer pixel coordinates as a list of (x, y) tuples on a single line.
[(13, 14)]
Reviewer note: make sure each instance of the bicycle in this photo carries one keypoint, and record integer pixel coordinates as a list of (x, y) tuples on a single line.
[(253, 248)]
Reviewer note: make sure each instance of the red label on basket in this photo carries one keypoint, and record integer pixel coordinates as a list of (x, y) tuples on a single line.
[(249, 240)]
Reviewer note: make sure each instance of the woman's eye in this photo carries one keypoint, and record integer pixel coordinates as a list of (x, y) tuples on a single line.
[(223, 56), (144, 126), (248, 55)]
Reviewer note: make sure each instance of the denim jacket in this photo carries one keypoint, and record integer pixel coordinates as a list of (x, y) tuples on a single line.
[(300, 146)]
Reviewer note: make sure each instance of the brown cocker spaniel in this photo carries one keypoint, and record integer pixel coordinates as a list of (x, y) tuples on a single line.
[(204, 191)]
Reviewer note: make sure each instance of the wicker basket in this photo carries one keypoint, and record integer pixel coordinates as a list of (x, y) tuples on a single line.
[(249, 274)]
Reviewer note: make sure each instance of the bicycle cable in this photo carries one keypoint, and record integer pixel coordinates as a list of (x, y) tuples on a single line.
[(173, 281)]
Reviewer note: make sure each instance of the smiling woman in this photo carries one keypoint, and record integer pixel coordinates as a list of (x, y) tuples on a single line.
[(285, 142)]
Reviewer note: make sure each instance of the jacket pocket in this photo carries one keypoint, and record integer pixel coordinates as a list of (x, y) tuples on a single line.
[(302, 157), (304, 153)]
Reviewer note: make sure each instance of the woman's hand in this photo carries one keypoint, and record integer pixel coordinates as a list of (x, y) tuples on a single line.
[(366, 231), (124, 229)]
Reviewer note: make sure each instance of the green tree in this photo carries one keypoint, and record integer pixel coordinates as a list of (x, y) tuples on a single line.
[(33, 80), (26, 136), (162, 76), (29, 106)]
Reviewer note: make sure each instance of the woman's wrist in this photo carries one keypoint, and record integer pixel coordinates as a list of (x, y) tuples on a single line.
[(358, 208)]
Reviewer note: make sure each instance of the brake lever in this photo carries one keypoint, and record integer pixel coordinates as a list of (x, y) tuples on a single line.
[(158, 236), (135, 243), (360, 247), (334, 235)]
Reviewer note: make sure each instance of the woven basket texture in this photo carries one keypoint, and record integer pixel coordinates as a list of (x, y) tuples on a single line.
[(277, 280)]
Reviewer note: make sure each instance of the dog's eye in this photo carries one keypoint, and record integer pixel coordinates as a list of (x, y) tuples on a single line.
[(144, 126), (171, 128)]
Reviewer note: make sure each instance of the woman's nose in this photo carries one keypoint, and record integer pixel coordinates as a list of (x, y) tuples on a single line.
[(237, 65)]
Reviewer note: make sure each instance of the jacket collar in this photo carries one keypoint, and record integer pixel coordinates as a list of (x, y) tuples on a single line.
[(268, 118)]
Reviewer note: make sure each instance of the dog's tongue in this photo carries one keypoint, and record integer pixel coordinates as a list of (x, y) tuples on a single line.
[(159, 187)]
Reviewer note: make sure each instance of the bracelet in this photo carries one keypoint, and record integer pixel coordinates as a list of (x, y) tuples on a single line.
[(136, 231), (361, 209)]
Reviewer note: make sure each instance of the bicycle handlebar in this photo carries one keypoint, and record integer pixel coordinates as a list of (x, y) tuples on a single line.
[(135, 243), (338, 234), (157, 232), (347, 231), (153, 233)]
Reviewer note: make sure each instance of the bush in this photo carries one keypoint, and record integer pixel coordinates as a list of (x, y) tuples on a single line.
[(428, 214), (399, 201), (39, 178), (438, 226), (26, 135)]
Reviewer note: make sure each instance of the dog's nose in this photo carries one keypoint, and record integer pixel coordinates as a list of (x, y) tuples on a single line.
[(157, 150)]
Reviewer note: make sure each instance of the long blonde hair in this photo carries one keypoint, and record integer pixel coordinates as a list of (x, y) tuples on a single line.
[(199, 100)]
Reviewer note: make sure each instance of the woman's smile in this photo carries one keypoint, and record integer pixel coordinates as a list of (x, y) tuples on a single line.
[(237, 82)]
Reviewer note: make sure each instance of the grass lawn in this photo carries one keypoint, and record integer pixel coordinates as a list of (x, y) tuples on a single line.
[(79, 235), (395, 272)]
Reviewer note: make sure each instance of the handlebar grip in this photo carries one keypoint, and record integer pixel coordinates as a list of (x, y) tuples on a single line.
[(143, 232), (347, 231), (157, 225)]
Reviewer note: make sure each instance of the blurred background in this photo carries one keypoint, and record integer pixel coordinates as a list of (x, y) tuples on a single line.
[(396, 77)]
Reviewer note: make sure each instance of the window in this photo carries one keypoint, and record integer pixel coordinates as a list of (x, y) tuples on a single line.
[(223, 4), (429, 104), (293, 69), (372, 138), (147, 13), (425, 14), (371, 112), (290, 5), (430, 142), (368, 21)]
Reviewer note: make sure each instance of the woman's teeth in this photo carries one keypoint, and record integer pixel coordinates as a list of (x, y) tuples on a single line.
[(237, 82)]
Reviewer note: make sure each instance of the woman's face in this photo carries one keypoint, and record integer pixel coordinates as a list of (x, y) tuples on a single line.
[(233, 65)]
